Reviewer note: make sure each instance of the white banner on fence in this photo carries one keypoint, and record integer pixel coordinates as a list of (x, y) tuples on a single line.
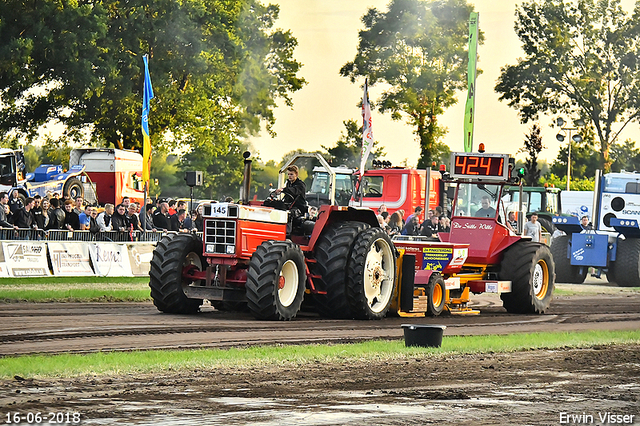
[(110, 259), (70, 259), (26, 259), (140, 257)]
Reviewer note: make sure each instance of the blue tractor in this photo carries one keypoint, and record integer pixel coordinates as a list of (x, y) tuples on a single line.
[(612, 245), (45, 180)]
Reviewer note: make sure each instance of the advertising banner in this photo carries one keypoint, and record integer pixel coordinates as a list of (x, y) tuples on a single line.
[(70, 259), (110, 259), (140, 258), (26, 259)]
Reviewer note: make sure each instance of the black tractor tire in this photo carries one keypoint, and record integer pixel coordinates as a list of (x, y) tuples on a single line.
[(332, 254), (626, 268), (546, 224), (73, 188), (436, 295), (172, 254), (611, 276), (371, 273), (530, 268), (276, 281), (565, 271)]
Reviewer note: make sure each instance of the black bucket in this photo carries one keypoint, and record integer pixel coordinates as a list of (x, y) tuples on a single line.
[(426, 336)]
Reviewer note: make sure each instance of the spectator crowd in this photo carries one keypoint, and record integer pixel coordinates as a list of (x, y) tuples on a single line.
[(54, 213), (395, 224)]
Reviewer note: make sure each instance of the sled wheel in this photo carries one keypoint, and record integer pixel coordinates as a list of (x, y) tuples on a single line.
[(436, 295), (276, 281), (371, 274), (530, 268), (565, 271), (332, 253), (172, 255)]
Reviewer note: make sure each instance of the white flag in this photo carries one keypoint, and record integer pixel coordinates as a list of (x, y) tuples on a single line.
[(367, 131)]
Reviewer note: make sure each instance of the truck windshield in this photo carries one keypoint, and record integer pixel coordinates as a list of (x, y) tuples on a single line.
[(7, 170), (476, 200)]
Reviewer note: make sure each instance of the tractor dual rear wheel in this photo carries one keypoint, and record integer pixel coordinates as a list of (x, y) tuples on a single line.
[(371, 274), (332, 253), (172, 255), (530, 268), (276, 281)]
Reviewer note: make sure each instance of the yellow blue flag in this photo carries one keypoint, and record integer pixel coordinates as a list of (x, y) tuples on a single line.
[(146, 146)]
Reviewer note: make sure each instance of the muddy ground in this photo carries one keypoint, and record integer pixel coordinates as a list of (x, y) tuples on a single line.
[(540, 387)]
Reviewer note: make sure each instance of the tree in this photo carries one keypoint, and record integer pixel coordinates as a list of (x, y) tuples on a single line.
[(532, 146), (217, 68), (582, 59), (348, 149), (419, 49)]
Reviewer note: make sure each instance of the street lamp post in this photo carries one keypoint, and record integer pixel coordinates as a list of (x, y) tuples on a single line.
[(576, 138)]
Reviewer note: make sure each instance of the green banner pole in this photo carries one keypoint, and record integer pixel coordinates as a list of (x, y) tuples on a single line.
[(471, 79)]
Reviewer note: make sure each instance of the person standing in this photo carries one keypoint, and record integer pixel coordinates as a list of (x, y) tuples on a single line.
[(71, 219), (41, 214), (512, 222), (15, 203), (132, 217), (533, 228), (416, 212), (85, 218), (119, 220), (584, 222), (160, 219), (57, 215), (78, 208), (4, 200), (24, 217), (104, 219)]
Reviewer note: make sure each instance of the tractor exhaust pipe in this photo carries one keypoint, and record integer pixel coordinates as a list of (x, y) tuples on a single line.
[(246, 179)]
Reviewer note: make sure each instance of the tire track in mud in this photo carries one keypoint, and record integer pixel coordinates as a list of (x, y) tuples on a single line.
[(28, 328)]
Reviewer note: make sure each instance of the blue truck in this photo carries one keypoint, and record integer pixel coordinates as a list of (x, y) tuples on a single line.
[(612, 245), (45, 179)]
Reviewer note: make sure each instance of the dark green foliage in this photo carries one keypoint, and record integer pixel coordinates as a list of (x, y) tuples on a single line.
[(581, 59), (532, 146), (418, 48), (217, 68)]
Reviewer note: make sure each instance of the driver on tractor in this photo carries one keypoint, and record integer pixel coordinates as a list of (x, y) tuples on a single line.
[(294, 192)]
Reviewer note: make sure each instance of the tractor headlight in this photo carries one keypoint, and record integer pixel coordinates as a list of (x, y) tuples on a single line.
[(231, 249), (210, 248)]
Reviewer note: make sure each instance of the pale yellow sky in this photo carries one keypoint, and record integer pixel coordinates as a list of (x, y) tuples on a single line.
[(327, 33)]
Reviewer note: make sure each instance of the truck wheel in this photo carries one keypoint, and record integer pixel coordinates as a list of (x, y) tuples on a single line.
[(530, 268), (626, 269), (565, 271), (371, 273), (546, 224), (276, 281), (436, 295), (73, 189), (172, 255), (332, 253)]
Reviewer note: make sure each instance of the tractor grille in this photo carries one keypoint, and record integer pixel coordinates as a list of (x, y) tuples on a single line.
[(220, 236)]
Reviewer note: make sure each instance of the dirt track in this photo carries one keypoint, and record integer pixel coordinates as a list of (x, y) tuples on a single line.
[(530, 387)]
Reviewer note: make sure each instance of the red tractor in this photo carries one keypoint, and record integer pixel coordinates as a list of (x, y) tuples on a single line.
[(479, 254), (263, 257)]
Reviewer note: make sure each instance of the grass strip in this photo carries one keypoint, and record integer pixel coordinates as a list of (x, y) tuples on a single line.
[(113, 363), (75, 289)]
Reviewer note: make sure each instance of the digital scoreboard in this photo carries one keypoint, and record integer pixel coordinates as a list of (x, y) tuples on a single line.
[(468, 165)]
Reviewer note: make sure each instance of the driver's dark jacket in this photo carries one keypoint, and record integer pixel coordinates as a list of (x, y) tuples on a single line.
[(295, 191)]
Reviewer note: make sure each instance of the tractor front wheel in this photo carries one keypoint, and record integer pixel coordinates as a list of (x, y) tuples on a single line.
[(276, 281), (371, 274), (172, 255), (530, 268)]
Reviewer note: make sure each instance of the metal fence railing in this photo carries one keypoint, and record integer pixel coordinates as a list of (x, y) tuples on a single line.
[(63, 235)]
